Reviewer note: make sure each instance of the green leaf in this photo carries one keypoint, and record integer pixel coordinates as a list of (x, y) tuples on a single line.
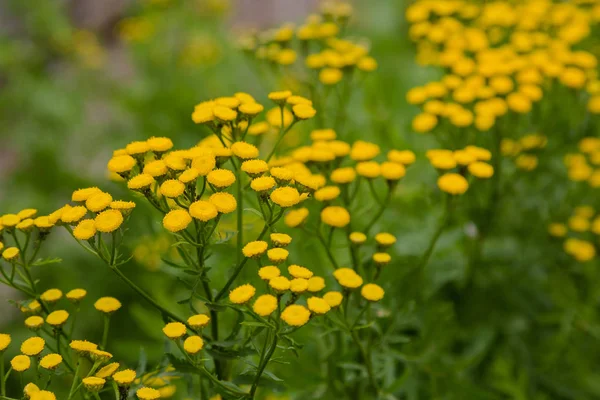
[(46, 261)]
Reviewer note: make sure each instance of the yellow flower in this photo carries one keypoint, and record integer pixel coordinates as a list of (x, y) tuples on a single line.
[(108, 221), (280, 97), (174, 330), (579, 224), (519, 103), (57, 318), (385, 239), (258, 128), (299, 272), (176, 220), (20, 363), (286, 196), (424, 122), (330, 76), (85, 229), (358, 237), (303, 111), (100, 355), (242, 294), (121, 164), (231, 102), (333, 298), (93, 383), (224, 114), (581, 250), (221, 178), (34, 322), (280, 283), (4, 341), (159, 144), (295, 315), (147, 393), (343, 175), (225, 202), (98, 201), (557, 230), (43, 223), (107, 305), (382, 259), (193, 344), (265, 305), (299, 285), (32, 307), (189, 175), (33, 346), (255, 249), (43, 395), (51, 361), (318, 305), (203, 210), (335, 216), (293, 100), (282, 174), (348, 278), (372, 292), (453, 183), (82, 346), (368, 169), (124, 378), (30, 389), (367, 64), (296, 217), (251, 109), (255, 168), (140, 182), (198, 321), (51, 295), (76, 295), (73, 214), (203, 114), (392, 171), (573, 78), (593, 105), (269, 272), (10, 253), (364, 151), (121, 205), (316, 284), (172, 188), (244, 150), (155, 168), (108, 370), (138, 147), (25, 225), (277, 255), (322, 135), (262, 184), (26, 213), (481, 170)]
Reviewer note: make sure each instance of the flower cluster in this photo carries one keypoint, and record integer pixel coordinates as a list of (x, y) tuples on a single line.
[(580, 233), (524, 150), (584, 165)]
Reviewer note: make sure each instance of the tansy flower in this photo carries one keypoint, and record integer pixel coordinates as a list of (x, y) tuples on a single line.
[(280, 97), (137, 147), (98, 201), (255, 168), (172, 188), (124, 378), (293, 100), (322, 135), (20, 363), (277, 255), (108, 370), (358, 237), (159, 144), (262, 184), (122, 205), (269, 272), (255, 249), (364, 151), (557, 230), (282, 174), (579, 224), (85, 229), (51, 295), (100, 355), (121, 164), (198, 321), (4, 341), (224, 114), (32, 307), (193, 344), (140, 182), (372, 292), (463, 157), (404, 157), (330, 76), (93, 383), (244, 150), (385, 239), (280, 239), (57, 318), (189, 175), (327, 193), (34, 322), (84, 194), (265, 305), (203, 210), (258, 128), (176, 220), (316, 284), (443, 161), (318, 305), (280, 283), (174, 330), (368, 169), (334, 299), (107, 305), (33, 346), (343, 175), (286, 196), (251, 109), (392, 171), (108, 221), (82, 346), (480, 153), (30, 389), (43, 223), (296, 217), (146, 393), (76, 295), (156, 168), (225, 202), (231, 102), (299, 272), (335, 216), (51, 361), (348, 278), (481, 169), (221, 178), (298, 285), (382, 259), (424, 122), (295, 315), (453, 183), (25, 225), (73, 214), (303, 111), (242, 294)]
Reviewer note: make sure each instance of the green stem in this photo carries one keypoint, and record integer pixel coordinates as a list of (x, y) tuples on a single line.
[(262, 367), (2, 383), (75, 376), (240, 215), (382, 208), (440, 229), (105, 331)]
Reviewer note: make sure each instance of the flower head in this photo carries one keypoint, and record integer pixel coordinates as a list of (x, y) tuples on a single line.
[(174, 330), (303, 111), (299, 272), (318, 305), (57, 318), (333, 298), (286, 196), (244, 150), (277, 255), (176, 220), (265, 305), (255, 249), (280, 283), (335, 216), (4, 341), (221, 178), (348, 278), (193, 344), (372, 292), (299, 285), (76, 295), (51, 295), (316, 284), (51, 361), (242, 294), (34, 322), (85, 229), (296, 217), (82, 346), (172, 188), (269, 272), (107, 305), (125, 377), (203, 210), (121, 164), (198, 321), (20, 363), (98, 201), (225, 202), (33, 346), (146, 393), (108, 370), (108, 221), (453, 183), (262, 183), (295, 315)]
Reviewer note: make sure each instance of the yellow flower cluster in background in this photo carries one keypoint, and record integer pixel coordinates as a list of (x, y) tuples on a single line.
[(524, 150), (580, 233), (584, 166)]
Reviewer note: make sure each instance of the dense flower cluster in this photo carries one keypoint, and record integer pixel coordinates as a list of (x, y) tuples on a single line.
[(579, 234)]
